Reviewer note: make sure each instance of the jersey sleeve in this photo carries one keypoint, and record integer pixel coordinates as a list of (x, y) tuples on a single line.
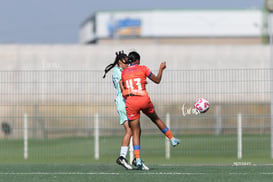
[(148, 72)]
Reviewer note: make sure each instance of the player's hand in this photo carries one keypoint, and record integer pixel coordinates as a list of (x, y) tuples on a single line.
[(163, 65)]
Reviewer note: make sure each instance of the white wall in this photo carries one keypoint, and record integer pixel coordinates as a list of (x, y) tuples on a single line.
[(97, 57)]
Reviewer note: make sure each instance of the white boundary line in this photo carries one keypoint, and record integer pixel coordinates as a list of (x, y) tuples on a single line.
[(81, 173), (234, 164), (56, 173), (141, 173)]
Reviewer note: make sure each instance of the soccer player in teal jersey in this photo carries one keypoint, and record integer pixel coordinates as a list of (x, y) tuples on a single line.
[(119, 65)]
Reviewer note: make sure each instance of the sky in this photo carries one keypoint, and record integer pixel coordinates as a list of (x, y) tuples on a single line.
[(58, 21)]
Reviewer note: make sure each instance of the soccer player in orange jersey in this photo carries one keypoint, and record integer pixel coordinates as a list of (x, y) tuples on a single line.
[(133, 82), (118, 65)]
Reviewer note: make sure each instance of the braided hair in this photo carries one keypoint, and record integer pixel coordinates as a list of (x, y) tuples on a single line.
[(119, 56)]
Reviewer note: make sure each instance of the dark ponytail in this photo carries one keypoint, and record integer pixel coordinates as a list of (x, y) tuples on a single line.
[(119, 56)]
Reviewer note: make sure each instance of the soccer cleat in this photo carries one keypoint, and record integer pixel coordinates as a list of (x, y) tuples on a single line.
[(175, 141), (123, 162), (139, 166)]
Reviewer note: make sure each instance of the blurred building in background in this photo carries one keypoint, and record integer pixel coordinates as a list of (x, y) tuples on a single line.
[(175, 27)]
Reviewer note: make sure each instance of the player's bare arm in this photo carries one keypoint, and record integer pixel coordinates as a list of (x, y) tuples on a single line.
[(121, 85), (158, 77)]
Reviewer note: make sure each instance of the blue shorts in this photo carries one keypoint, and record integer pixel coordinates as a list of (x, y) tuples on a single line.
[(120, 103)]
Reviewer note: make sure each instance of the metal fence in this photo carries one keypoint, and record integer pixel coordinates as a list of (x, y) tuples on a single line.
[(63, 103)]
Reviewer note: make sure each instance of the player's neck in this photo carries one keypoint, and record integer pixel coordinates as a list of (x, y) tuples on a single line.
[(133, 64)]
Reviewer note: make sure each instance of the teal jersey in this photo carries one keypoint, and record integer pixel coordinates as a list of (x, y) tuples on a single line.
[(116, 77), (119, 100)]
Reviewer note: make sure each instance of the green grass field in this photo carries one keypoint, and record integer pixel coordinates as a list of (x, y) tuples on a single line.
[(114, 173), (194, 149), (198, 158)]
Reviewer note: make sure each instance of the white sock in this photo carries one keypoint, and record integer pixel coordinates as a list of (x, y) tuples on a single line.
[(123, 151)]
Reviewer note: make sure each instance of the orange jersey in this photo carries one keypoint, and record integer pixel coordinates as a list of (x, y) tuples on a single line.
[(134, 79)]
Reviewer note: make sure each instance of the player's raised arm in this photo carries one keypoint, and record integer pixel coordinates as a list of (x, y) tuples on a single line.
[(158, 77)]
